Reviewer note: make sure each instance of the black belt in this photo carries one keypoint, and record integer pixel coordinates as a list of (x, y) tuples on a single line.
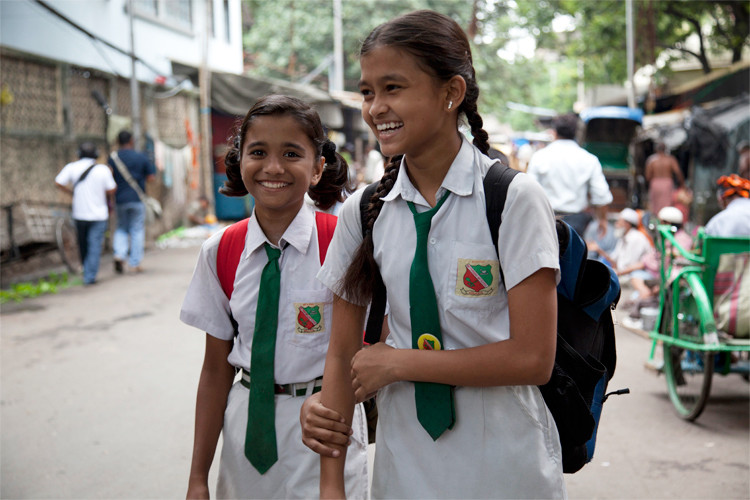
[(296, 390)]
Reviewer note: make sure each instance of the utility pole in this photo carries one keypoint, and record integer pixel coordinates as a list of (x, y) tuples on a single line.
[(135, 99), (204, 77), (338, 48), (630, 51)]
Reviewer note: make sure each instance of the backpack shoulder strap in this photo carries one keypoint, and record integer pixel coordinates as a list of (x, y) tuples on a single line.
[(228, 255), (326, 224), (374, 324), (496, 183), (232, 243)]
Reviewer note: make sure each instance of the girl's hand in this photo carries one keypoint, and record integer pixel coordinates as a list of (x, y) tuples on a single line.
[(371, 370), (197, 490), (324, 431)]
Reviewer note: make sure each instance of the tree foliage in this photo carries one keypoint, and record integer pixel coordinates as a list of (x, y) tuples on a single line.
[(289, 39), (599, 36)]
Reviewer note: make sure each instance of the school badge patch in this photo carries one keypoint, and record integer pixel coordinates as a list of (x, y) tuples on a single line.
[(477, 278), (428, 342), (309, 318)]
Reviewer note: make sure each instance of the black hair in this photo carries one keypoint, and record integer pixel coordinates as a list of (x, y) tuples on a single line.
[(334, 182), (124, 137), (88, 150), (440, 48), (566, 126)]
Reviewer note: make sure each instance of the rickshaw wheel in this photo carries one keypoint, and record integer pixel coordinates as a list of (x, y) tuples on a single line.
[(67, 244), (688, 372)]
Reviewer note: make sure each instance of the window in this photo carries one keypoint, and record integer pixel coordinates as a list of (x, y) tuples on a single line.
[(174, 13)]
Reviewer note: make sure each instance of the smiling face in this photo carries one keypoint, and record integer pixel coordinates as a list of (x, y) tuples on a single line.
[(278, 164), (404, 106)]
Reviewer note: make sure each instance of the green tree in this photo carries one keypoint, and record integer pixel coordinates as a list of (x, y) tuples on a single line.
[(599, 33)]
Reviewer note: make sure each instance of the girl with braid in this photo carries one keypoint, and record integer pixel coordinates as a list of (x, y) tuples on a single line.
[(460, 414), (267, 334)]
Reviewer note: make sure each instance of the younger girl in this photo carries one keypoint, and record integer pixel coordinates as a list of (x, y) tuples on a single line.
[(279, 154), (460, 415)]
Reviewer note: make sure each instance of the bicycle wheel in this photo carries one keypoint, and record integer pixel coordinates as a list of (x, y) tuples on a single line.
[(67, 244), (688, 372)]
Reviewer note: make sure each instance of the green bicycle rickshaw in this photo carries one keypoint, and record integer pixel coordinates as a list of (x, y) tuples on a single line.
[(694, 348)]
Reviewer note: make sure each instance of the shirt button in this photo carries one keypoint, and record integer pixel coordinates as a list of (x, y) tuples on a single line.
[(433, 241)]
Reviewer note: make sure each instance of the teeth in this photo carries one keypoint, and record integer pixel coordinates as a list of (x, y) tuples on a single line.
[(390, 125), (273, 185)]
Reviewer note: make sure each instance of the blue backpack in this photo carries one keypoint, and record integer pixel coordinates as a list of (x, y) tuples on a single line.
[(586, 354)]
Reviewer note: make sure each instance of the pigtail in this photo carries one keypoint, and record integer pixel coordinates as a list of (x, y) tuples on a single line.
[(334, 184), (469, 107), (357, 282), (233, 186)]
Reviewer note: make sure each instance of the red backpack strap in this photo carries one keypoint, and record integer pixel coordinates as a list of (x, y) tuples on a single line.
[(228, 255), (326, 226)]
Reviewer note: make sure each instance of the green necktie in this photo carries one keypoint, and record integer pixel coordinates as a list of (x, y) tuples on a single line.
[(260, 437), (435, 409)]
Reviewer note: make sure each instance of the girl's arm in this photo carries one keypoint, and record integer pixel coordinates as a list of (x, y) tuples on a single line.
[(337, 393), (216, 379), (323, 428), (526, 358)]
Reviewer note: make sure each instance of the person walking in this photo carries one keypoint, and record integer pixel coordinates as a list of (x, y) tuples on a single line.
[(571, 177), (279, 154), (90, 183), (662, 170), (458, 374), (130, 233)]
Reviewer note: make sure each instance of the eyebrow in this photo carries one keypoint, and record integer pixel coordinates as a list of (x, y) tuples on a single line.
[(285, 145), (389, 77)]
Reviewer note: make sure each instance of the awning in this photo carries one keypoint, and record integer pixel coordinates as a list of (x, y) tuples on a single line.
[(616, 112), (235, 94)]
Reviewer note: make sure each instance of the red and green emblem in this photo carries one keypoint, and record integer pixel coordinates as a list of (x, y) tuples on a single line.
[(478, 277), (308, 317)]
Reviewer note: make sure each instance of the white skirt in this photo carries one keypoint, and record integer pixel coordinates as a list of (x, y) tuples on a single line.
[(504, 444), (297, 472)]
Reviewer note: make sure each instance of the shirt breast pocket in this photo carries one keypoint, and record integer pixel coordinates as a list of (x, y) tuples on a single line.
[(473, 282), (308, 318)]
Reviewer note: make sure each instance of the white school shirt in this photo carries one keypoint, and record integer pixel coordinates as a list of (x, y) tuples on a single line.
[(305, 305), (504, 443), (569, 175), (90, 195)]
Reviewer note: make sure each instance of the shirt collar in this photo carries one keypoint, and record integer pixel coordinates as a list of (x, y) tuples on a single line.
[(298, 234), (459, 179)]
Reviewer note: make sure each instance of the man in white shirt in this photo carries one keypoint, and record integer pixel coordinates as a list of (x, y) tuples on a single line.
[(90, 183), (571, 177), (734, 200), (627, 258)]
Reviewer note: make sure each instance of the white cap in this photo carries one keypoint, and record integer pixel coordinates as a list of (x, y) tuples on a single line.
[(630, 215), (671, 215)]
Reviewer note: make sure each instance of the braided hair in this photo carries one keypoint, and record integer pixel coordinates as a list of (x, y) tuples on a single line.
[(440, 48), (334, 183)]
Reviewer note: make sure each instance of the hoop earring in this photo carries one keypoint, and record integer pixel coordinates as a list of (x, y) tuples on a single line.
[(450, 105)]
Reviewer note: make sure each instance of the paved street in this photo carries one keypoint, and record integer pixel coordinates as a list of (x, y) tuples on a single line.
[(98, 388)]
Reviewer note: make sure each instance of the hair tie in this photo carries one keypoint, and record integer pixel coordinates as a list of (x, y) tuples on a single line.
[(329, 150)]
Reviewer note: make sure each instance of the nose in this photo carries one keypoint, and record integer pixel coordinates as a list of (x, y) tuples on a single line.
[(273, 165), (378, 107)]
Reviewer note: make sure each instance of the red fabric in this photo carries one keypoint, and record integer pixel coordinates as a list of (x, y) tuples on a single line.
[(228, 255), (232, 243)]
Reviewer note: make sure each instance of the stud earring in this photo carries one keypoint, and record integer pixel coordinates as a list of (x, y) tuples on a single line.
[(450, 104)]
